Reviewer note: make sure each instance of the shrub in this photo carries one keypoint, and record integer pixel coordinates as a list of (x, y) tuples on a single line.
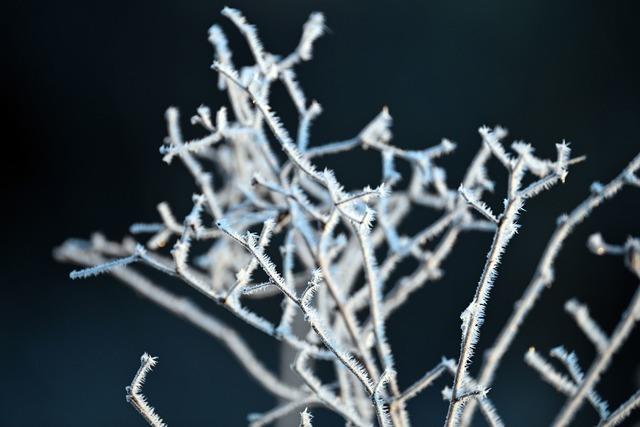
[(339, 250)]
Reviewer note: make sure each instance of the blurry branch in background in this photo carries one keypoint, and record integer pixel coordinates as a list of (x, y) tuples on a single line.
[(623, 411), (562, 383), (267, 223), (631, 253), (589, 327), (581, 386)]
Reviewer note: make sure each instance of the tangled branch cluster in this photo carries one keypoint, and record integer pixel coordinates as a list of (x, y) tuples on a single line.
[(328, 271)]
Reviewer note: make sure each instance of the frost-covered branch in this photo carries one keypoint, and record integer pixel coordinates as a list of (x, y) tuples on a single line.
[(582, 385), (426, 380), (473, 315), (545, 274), (135, 396), (570, 361)]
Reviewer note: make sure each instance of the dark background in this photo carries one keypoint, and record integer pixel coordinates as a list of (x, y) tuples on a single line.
[(86, 86)]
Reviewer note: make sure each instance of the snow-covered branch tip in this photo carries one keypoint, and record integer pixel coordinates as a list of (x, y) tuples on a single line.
[(135, 396), (305, 418)]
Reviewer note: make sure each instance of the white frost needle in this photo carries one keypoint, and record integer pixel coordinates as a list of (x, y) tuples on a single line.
[(305, 418)]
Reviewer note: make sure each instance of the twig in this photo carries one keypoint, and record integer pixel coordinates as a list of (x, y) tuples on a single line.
[(135, 396)]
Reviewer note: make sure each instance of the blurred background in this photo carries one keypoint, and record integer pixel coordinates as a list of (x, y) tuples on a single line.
[(86, 87)]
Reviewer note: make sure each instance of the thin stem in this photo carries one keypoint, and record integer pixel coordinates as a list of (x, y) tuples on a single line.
[(476, 309), (346, 314), (135, 396), (399, 414), (260, 420), (424, 382)]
